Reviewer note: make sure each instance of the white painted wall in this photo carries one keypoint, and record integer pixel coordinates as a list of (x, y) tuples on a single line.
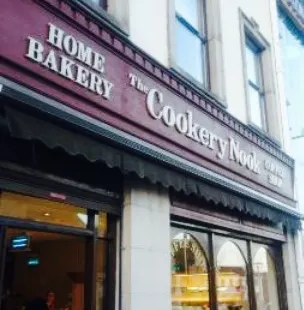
[(149, 27), (291, 274), (281, 99), (146, 23)]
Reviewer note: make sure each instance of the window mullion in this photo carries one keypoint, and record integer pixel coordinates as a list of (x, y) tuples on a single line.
[(254, 86), (190, 28), (255, 81), (212, 274), (190, 44), (250, 278), (90, 264)]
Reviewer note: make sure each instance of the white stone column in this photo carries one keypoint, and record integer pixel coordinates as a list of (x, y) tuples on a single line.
[(300, 263), (146, 282), (291, 274)]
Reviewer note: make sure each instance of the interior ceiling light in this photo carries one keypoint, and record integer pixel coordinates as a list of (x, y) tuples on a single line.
[(47, 214)]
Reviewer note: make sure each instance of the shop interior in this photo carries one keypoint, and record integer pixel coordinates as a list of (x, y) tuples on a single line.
[(39, 263), (190, 276), (36, 263)]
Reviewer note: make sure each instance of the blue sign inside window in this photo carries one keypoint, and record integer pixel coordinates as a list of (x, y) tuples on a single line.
[(20, 243)]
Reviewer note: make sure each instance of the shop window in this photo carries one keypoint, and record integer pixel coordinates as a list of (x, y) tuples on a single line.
[(255, 89), (190, 277), (232, 291), (189, 39), (265, 281), (42, 210), (101, 224)]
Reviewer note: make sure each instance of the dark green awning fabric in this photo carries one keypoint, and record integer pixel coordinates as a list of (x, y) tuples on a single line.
[(55, 135)]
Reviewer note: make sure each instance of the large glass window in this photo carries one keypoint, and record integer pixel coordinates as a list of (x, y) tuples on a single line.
[(292, 52), (190, 39), (255, 90), (232, 288), (265, 281), (210, 270), (190, 280), (42, 210)]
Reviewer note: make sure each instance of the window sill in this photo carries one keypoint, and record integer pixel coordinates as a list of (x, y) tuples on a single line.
[(100, 15), (199, 87), (265, 135)]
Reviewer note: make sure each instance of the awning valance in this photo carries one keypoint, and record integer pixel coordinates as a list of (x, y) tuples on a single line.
[(55, 134)]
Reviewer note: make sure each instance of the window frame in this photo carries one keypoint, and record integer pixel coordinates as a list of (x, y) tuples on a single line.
[(250, 29), (252, 44), (200, 33), (244, 243)]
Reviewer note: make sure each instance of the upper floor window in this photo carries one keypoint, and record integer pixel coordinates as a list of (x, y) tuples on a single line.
[(292, 52), (255, 89), (100, 3), (190, 41)]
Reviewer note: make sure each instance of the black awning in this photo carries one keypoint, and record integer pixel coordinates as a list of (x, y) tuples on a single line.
[(56, 135)]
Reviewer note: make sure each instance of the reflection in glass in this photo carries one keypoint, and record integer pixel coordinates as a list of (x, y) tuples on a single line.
[(190, 282), (255, 106), (265, 281), (188, 10), (189, 59), (251, 65), (232, 292), (101, 224), (42, 210)]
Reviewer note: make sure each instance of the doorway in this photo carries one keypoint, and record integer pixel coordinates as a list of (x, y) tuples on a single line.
[(38, 264), (58, 247)]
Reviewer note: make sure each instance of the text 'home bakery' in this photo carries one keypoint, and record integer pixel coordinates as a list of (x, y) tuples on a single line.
[(89, 75)]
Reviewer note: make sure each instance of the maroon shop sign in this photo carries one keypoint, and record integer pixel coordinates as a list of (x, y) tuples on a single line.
[(46, 53)]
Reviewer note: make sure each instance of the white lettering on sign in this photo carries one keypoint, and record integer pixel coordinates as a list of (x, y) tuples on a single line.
[(249, 161), (82, 64), (184, 123), (275, 173)]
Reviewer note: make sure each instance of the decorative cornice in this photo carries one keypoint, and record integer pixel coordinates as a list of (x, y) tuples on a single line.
[(290, 24), (295, 10), (121, 46)]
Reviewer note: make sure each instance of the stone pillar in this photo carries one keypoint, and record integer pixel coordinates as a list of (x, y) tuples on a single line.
[(291, 273), (300, 262), (145, 247)]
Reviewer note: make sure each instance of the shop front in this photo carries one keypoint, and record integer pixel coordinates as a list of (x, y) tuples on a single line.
[(87, 119), (219, 267)]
